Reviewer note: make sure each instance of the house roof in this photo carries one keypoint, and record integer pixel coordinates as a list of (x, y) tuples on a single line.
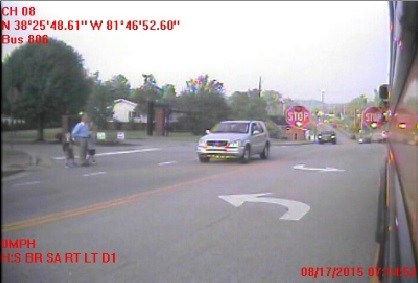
[(125, 101)]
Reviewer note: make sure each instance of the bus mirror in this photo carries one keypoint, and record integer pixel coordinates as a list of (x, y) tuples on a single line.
[(383, 92)]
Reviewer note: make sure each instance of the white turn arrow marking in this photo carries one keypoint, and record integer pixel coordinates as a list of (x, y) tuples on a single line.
[(295, 209), (94, 174), (327, 169), (167, 163), (115, 153), (27, 183)]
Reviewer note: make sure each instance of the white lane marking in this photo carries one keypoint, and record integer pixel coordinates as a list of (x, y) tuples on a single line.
[(27, 183), (295, 209), (94, 174), (327, 169), (167, 163), (115, 153)]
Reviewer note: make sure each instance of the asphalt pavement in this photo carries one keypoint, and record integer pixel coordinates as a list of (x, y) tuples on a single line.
[(23, 156), (149, 211)]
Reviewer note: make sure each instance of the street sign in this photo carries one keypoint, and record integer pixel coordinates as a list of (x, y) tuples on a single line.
[(373, 117), (120, 135), (298, 116), (101, 135)]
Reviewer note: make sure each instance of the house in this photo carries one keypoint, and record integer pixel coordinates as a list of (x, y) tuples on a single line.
[(124, 111), (7, 120), (296, 134), (291, 133)]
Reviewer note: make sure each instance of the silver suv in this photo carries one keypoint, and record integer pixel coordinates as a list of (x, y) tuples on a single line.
[(235, 139)]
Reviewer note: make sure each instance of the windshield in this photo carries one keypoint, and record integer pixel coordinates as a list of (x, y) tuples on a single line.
[(327, 133), (209, 143), (241, 128)]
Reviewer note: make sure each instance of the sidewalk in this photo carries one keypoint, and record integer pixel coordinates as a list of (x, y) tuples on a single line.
[(14, 161), (277, 142), (26, 156)]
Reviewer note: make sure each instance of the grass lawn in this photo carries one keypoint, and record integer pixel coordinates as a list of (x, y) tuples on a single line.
[(49, 134)]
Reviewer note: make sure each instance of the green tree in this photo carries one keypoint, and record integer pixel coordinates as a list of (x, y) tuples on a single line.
[(204, 103), (355, 107), (149, 91), (169, 92), (240, 105), (100, 102), (248, 106), (169, 95), (119, 87), (48, 80), (273, 102)]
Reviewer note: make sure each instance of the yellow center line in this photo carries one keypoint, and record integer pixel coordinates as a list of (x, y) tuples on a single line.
[(19, 225)]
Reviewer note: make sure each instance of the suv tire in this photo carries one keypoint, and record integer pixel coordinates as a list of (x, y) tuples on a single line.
[(204, 158), (246, 155), (266, 151)]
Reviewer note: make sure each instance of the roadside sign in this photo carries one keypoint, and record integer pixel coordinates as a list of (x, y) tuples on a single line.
[(298, 116), (373, 117), (101, 135), (120, 135)]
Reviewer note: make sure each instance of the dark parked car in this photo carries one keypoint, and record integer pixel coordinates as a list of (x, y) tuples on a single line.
[(364, 139), (327, 136), (379, 137)]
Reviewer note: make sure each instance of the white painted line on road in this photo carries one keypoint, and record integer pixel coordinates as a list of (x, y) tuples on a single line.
[(167, 163), (129, 151), (94, 174), (27, 183), (295, 209), (115, 153), (327, 169)]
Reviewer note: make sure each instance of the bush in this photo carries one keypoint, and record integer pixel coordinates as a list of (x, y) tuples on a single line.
[(278, 119), (273, 129), (5, 126), (111, 139), (354, 129), (59, 136), (107, 142), (53, 124)]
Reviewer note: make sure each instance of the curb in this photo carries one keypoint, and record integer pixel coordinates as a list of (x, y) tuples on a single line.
[(292, 143), (34, 161), (8, 173)]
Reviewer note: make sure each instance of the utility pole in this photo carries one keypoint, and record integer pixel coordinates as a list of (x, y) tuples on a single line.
[(13, 96), (322, 100), (323, 105), (259, 87)]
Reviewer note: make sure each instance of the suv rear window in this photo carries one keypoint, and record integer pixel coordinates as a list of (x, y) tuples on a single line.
[(231, 128)]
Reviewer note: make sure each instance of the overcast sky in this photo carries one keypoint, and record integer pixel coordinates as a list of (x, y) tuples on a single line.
[(298, 48)]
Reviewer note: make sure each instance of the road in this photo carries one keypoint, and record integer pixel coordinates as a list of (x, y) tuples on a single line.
[(154, 213)]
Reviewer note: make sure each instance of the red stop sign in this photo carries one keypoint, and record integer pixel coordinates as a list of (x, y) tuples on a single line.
[(373, 117), (297, 116)]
